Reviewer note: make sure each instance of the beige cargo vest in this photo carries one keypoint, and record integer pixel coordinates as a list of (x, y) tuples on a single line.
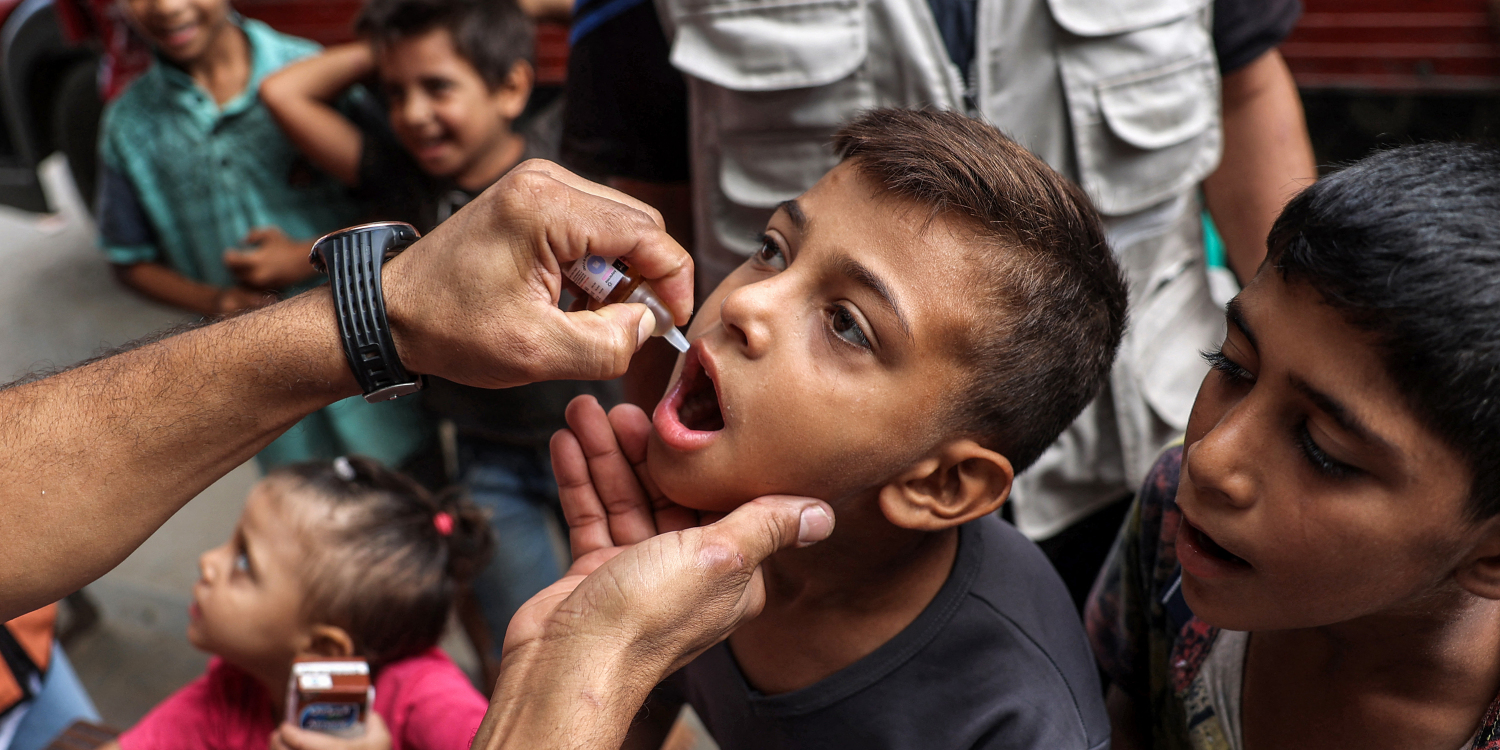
[(1121, 96)]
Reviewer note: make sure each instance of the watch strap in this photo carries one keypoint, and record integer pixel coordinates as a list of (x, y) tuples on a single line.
[(352, 258)]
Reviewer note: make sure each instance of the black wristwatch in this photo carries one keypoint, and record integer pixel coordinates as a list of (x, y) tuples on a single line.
[(352, 259)]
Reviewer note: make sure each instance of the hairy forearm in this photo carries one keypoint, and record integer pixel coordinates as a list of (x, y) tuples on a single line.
[(108, 451), (164, 285), (1267, 159), (564, 695)]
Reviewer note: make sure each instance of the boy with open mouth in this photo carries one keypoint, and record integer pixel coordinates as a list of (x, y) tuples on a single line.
[(914, 330), (1318, 566)]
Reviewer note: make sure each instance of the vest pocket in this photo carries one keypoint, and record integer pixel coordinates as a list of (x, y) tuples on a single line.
[(757, 171), (1149, 136), (771, 82), (1095, 18), (1161, 108), (762, 171), (755, 46)]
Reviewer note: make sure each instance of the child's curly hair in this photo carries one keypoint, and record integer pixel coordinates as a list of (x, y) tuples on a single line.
[(387, 557)]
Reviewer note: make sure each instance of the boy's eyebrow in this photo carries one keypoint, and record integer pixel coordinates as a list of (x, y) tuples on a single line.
[(1234, 312), (1339, 413), (867, 279), (794, 212)]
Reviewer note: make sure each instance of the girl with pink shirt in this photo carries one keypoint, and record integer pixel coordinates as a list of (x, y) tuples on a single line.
[(342, 558)]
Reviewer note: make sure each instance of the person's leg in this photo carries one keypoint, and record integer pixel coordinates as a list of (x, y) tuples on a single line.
[(61, 702), (389, 432), (516, 486)]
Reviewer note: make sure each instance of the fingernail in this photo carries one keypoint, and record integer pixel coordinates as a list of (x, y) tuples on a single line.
[(815, 526), (644, 328)]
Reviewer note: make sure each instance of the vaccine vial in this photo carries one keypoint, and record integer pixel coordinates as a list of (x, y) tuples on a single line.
[(611, 280)]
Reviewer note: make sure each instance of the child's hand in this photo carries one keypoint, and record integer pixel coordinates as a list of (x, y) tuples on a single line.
[(270, 259), (607, 495), (236, 298), (376, 737)]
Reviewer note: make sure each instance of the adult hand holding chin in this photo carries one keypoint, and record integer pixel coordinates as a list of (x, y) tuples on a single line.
[(475, 301), (580, 657)]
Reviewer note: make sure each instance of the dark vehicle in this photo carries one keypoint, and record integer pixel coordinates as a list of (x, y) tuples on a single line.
[(61, 59), (49, 100)]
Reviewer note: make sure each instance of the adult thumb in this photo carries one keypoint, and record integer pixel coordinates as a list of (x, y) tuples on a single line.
[(599, 343), (768, 524)]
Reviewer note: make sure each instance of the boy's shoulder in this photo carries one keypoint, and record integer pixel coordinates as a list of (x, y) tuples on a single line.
[(144, 97), (274, 49), (136, 113), (997, 659)]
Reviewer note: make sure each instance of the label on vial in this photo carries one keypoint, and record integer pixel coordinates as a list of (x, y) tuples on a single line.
[(598, 276)]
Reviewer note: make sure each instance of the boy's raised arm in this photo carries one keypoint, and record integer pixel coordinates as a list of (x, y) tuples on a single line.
[(300, 97)]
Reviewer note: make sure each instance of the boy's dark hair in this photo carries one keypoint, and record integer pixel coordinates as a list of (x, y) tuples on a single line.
[(1405, 244), (383, 570), (491, 34), (1050, 307)]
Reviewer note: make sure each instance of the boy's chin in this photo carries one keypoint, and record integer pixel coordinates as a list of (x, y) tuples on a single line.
[(695, 490)]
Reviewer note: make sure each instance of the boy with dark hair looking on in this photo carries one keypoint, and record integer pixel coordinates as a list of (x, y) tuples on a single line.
[(455, 75), (1319, 565), (915, 329), (205, 206)]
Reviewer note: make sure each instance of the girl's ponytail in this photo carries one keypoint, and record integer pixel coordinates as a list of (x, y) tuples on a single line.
[(467, 535)]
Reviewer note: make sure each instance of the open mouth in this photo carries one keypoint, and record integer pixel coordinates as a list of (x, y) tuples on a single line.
[(1205, 544), (699, 410), (429, 148), (691, 414), (175, 35)]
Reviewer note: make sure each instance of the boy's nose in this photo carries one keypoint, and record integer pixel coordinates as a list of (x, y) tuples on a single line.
[(206, 566), (415, 109), (745, 314), (1221, 464)]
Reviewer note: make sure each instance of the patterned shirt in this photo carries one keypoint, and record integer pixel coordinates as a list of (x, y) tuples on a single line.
[(1148, 642), (183, 179)]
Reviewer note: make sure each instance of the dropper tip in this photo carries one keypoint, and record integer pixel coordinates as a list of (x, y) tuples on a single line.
[(676, 339)]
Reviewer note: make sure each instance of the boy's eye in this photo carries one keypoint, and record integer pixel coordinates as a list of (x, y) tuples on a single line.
[(1320, 460), (241, 562), (846, 327), (770, 254), (1227, 367)]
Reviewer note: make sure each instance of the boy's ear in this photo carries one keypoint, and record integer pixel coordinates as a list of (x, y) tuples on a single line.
[(1479, 573), (511, 95), (326, 640), (961, 482)]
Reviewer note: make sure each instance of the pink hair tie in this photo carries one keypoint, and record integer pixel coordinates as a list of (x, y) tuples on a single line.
[(443, 522)]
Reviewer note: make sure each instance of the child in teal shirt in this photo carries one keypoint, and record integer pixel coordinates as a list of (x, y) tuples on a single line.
[(194, 171)]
